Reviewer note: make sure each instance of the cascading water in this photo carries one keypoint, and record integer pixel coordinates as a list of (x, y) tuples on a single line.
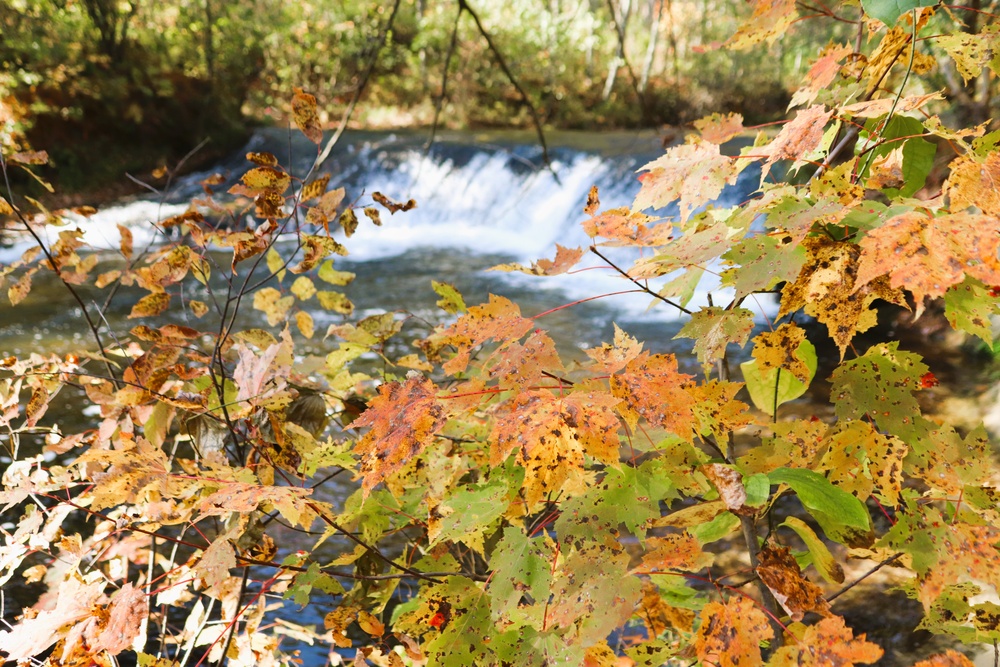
[(482, 199)]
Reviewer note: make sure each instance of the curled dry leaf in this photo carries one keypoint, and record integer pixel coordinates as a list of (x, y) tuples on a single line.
[(796, 594)]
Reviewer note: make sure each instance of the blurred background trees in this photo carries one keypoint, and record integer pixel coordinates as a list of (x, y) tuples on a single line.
[(113, 85)]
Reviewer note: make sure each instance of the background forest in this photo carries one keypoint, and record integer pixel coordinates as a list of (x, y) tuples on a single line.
[(141, 82)]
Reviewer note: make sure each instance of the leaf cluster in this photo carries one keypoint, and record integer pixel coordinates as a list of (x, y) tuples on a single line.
[(510, 505)]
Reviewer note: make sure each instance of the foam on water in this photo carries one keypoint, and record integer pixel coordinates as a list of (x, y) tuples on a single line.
[(492, 199)]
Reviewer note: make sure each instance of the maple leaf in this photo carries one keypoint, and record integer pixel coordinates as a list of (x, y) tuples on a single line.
[(550, 435), (927, 255), (658, 616), (593, 592), (829, 643), (731, 632), (566, 259), (612, 358), (691, 249), (520, 365), (713, 329), (762, 261), (498, 320), (769, 21), (779, 348), (881, 384), (625, 227), (969, 307), (243, 498), (945, 553), (403, 419), (796, 594), (217, 560), (131, 473), (652, 387), (972, 183), (127, 615), (720, 128), (260, 378), (822, 73), (680, 552), (948, 463), (74, 602), (826, 288), (458, 613), (882, 457), (523, 567), (880, 107), (717, 410), (693, 173), (796, 139)]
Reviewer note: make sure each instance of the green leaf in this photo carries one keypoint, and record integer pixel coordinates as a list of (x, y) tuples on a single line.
[(303, 583), (889, 11), (522, 566), (824, 561), (468, 512), (758, 488), (626, 496), (774, 386), (764, 261), (881, 384), (969, 307), (713, 328), (918, 153), (716, 529), (465, 637), (451, 300), (843, 517)]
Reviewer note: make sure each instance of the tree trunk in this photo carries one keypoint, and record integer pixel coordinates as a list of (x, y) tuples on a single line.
[(655, 14)]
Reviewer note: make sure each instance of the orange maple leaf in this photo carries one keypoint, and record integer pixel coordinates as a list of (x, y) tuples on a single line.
[(680, 551), (654, 389), (694, 173), (731, 633), (499, 320), (550, 435), (520, 365), (797, 138), (829, 643), (927, 255), (403, 420)]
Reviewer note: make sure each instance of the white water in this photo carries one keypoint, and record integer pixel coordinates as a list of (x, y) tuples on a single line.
[(473, 200)]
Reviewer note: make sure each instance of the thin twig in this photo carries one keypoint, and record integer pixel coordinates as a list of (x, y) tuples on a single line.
[(638, 284), (358, 91), (535, 120), (887, 561)]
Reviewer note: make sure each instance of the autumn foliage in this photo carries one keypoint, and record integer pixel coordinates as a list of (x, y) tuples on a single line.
[(511, 505)]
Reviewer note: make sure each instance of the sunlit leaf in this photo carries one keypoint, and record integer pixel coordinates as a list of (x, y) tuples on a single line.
[(731, 633), (306, 116)]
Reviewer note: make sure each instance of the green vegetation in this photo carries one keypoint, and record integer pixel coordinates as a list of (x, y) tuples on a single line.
[(506, 506), (108, 86)]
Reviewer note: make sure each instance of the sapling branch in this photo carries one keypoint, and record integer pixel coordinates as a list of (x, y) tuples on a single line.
[(639, 284)]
